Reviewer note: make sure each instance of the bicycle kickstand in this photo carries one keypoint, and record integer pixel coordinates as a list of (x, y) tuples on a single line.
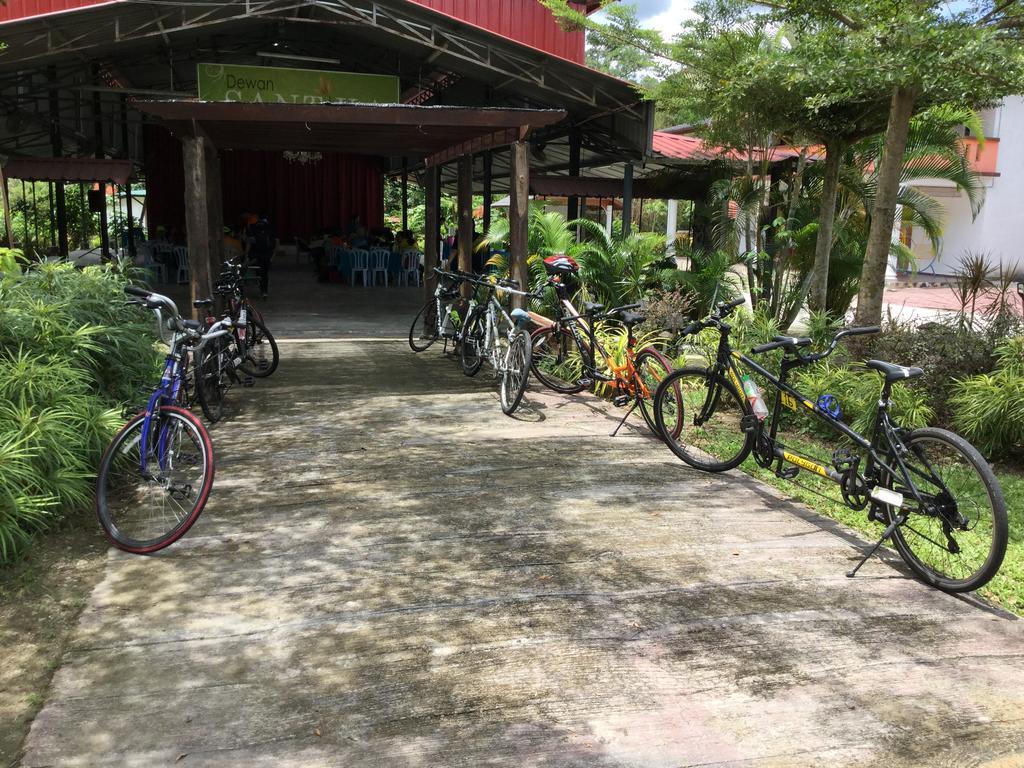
[(896, 523), (631, 409)]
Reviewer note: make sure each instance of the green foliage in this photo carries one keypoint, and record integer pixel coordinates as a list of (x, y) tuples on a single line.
[(989, 408), (612, 48), (71, 355), (9, 261), (617, 270)]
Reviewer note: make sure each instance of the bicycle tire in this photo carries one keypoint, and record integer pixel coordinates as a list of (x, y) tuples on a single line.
[(259, 339), (469, 341), (209, 381), (424, 331), (141, 528), (652, 367), (517, 371), (920, 540), (717, 443), (546, 360)]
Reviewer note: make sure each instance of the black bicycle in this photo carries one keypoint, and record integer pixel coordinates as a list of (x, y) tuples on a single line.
[(937, 496)]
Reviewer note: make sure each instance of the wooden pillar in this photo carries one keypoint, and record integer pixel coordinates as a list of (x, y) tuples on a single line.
[(97, 137), (405, 193), (627, 200), (215, 209), (488, 172), (519, 216), (432, 229), (57, 145), (465, 212), (197, 222), (7, 210), (574, 171)]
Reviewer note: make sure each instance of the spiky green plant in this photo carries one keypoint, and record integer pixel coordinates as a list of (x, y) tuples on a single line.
[(71, 355), (989, 408)]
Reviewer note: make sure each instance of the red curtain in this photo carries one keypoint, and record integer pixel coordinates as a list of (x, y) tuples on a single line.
[(300, 199)]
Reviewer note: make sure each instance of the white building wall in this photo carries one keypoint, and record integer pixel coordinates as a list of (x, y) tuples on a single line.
[(998, 231)]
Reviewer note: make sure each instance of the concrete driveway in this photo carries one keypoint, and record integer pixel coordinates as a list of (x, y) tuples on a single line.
[(393, 573)]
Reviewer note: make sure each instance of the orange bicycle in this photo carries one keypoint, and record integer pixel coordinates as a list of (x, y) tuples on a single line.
[(568, 357)]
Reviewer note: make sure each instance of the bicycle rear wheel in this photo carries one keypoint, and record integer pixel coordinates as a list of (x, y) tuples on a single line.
[(652, 367), (145, 512), (424, 331), (471, 343), (956, 539), (557, 361), (261, 353), (209, 381), (698, 414), (517, 371)]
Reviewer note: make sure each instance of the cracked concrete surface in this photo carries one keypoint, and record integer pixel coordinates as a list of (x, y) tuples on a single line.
[(392, 573)]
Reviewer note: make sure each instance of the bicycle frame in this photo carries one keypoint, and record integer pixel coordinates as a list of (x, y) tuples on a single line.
[(166, 393), (728, 362), (623, 376)]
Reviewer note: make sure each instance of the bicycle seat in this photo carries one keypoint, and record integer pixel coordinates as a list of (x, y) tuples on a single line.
[(627, 318), (202, 303), (192, 325), (893, 372), (590, 307)]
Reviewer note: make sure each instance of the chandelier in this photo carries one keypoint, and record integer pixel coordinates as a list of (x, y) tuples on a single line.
[(303, 157)]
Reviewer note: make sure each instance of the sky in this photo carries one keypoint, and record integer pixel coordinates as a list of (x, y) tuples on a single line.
[(664, 15)]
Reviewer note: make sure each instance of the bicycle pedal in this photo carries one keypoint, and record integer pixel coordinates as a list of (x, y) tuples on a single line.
[(749, 423), (787, 473), (586, 383), (621, 400), (248, 381)]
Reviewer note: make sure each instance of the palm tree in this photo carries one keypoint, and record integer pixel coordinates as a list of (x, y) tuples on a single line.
[(615, 270)]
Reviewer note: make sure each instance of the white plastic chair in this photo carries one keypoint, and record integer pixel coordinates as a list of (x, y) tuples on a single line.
[(380, 259), (410, 267), (360, 265), (150, 264), (181, 254)]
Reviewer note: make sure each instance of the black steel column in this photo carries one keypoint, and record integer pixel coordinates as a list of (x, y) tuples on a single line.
[(57, 146), (128, 185), (574, 171), (627, 200), (97, 134), (405, 193)]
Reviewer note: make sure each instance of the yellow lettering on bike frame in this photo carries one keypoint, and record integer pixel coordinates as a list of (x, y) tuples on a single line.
[(800, 461), (788, 400)]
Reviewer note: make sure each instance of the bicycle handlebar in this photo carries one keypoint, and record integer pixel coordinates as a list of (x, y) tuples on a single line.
[(790, 343)]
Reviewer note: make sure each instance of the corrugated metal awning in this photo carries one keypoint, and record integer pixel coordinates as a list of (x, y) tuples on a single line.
[(68, 169)]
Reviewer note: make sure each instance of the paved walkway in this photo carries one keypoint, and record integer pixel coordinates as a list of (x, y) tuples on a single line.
[(392, 573)]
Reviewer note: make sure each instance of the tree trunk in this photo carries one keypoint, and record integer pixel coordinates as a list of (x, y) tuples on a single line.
[(872, 276), (783, 262), (818, 287)]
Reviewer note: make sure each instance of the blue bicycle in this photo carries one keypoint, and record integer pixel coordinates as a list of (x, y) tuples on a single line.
[(156, 475)]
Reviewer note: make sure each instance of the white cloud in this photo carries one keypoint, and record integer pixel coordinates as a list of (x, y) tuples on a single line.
[(669, 22)]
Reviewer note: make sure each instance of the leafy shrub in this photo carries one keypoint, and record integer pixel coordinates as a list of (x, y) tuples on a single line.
[(944, 351), (989, 408), (856, 388), (71, 355)]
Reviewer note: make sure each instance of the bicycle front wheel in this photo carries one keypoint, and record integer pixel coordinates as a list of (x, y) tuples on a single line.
[(261, 353), (424, 330), (698, 413), (652, 367), (558, 362), (150, 492), (517, 371), (955, 537)]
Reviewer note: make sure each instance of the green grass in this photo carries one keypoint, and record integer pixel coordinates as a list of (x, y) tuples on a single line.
[(1005, 590)]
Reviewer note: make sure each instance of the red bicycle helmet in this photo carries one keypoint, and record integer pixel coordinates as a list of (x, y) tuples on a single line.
[(562, 265)]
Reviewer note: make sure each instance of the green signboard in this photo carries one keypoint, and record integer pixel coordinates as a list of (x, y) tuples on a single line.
[(278, 85)]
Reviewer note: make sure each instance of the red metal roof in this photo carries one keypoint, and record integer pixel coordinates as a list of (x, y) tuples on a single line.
[(13, 10), (689, 147), (68, 169), (525, 21)]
